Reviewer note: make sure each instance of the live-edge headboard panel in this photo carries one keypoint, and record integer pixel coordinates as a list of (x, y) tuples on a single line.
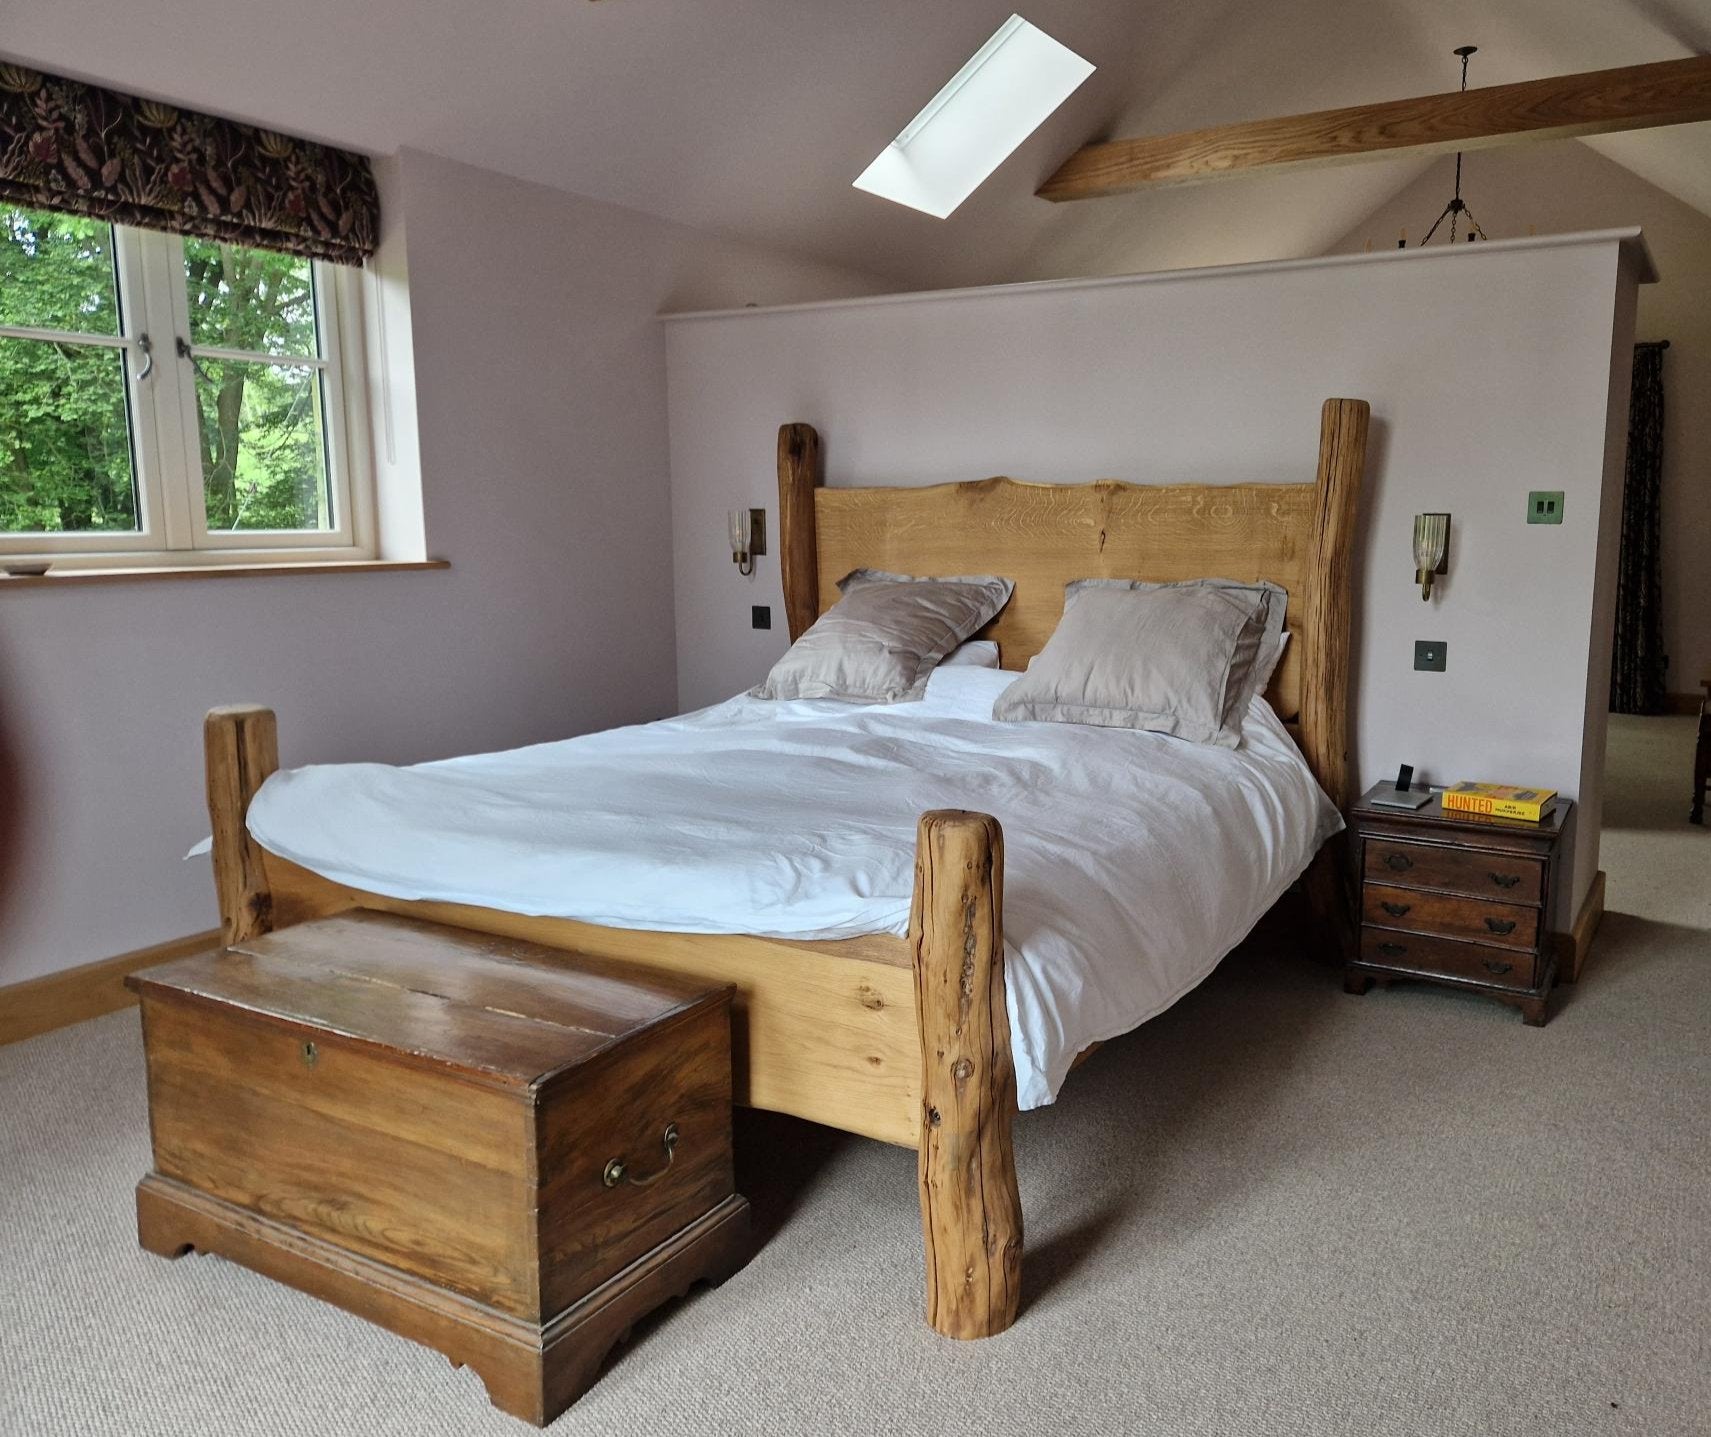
[(1042, 536)]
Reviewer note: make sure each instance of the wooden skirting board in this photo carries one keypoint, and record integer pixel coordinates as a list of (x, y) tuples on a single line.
[(61, 999)]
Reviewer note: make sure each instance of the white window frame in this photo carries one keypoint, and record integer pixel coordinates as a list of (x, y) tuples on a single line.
[(154, 309)]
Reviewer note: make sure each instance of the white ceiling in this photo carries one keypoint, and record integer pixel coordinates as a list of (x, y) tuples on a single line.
[(751, 117)]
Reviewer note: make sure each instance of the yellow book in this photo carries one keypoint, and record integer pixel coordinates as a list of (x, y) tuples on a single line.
[(1498, 800)]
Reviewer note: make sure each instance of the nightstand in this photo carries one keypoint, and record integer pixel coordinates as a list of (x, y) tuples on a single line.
[(1457, 899)]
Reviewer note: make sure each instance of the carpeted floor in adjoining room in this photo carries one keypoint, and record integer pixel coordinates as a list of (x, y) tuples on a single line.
[(1276, 1209)]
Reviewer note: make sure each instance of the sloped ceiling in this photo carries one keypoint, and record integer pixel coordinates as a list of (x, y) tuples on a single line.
[(751, 117)]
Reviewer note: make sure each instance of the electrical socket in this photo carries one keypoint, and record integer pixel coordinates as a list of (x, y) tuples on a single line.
[(1432, 655), (1544, 506)]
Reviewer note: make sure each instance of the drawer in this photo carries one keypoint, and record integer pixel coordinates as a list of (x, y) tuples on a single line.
[(1444, 914), (1445, 957), (1506, 876)]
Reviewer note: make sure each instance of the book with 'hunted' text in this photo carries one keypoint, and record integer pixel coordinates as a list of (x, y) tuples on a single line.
[(1499, 800)]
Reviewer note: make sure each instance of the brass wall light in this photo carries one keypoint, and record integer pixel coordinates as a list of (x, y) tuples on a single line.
[(1431, 549), (747, 536)]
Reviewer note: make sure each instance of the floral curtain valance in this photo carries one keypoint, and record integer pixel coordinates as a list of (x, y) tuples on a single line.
[(65, 145)]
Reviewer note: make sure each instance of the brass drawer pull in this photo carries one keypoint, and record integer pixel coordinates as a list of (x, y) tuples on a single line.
[(1496, 969), (1392, 950), (1500, 925), (1395, 910), (1504, 880), (617, 1171), (1401, 862)]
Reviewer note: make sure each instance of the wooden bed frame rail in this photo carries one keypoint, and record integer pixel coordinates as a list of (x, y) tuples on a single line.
[(908, 1040)]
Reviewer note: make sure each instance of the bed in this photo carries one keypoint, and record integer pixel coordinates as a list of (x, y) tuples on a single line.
[(906, 1036)]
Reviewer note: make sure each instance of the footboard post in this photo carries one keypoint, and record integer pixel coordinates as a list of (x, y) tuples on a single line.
[(971, 1210), (241, 746)]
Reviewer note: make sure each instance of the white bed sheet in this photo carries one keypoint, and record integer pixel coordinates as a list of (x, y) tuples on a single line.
[(1133, 861)]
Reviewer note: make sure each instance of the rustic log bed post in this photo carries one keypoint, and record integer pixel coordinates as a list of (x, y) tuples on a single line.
[(240, 745), (1323, 729), (971, 1211), (798, 556)]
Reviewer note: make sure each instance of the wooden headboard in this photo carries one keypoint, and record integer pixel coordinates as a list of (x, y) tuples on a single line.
[(1044, 535)]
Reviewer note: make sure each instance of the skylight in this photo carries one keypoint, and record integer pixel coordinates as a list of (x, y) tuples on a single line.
[(970, 127)]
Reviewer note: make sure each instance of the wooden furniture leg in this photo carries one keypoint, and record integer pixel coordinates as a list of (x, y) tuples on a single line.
[(971, 1210), (241, 748)]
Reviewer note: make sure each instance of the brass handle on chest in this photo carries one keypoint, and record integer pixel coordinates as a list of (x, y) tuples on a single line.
[(617, 1171), (1395, 910), (1497, 970), (1401, 862), (1504, 880), (1392, 950), (1500, 925)]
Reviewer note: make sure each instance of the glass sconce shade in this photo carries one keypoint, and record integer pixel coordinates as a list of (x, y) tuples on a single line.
[(1431, 549), (747, 536)]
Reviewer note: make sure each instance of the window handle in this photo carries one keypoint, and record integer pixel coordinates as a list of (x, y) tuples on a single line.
[(146, 344), (182, 345)]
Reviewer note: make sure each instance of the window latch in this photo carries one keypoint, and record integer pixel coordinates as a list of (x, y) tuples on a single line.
[(182, 345), (146, 344)]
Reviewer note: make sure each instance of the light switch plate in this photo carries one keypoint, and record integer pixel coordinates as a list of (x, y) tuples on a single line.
[(1544, 506), (1433, 655)]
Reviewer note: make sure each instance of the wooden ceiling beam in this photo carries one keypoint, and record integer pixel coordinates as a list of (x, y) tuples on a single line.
[(1600, 102)]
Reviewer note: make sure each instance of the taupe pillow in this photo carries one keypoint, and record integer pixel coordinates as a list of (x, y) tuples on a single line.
[(1181, 659), (878, 644)]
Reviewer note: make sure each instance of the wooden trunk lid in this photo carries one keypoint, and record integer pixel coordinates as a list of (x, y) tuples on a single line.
[(494, 1010)]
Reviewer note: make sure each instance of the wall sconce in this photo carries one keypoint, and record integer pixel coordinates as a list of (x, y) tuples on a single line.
[(1431, 549), (748, 537)]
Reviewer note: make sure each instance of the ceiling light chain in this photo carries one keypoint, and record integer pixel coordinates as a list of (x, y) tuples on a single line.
[(1457, 207)]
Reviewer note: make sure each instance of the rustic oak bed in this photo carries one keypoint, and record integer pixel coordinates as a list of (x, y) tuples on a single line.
[(906, 1039)]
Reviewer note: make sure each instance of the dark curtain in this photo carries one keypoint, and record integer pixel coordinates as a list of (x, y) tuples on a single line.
[(1637, 670), (89, 151)]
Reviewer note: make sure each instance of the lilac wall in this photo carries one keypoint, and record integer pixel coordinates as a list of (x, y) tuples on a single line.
[(540, 392), (1489, 370), (1567, 186)]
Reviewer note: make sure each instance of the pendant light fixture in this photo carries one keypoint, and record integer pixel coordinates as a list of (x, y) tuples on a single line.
[(1457, 207)]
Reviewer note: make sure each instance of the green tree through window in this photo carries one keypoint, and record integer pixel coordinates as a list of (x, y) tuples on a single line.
[(228, 437), (262, 448), (65, 448)]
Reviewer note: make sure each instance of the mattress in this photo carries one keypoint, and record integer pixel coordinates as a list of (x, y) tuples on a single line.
[(1133, 861)]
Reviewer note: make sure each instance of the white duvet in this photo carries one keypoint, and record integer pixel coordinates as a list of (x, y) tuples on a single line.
[(1133, 861)]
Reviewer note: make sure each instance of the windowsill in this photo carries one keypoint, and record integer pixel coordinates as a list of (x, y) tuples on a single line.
[(57, 579)]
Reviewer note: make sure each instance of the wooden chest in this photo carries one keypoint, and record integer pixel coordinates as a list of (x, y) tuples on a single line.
[(505, 1151), (1458, 899)]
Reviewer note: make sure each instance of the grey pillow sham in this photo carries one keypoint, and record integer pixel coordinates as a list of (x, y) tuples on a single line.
[(1181, 659), (880, 642)]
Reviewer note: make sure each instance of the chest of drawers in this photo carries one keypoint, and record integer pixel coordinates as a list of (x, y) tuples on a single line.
[(1457, 899)]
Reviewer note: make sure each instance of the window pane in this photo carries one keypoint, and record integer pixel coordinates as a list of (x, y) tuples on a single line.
[(264, 457), (65, 449), (249, 299), (56, 272)]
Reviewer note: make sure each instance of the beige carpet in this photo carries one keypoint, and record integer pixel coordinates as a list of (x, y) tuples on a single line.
[(1275, 1209)]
